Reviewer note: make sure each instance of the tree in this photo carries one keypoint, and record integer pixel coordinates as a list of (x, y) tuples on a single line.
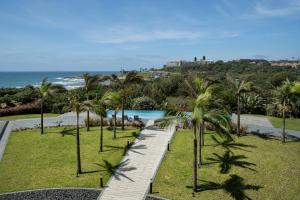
[(131, 78), (113, 99), (239, 87), (284, 95), (99, 108), (220, 122), (90, 83), (47, 89), (77, 107), (202, 93)]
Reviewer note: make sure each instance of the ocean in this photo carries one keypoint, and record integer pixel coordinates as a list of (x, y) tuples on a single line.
[(69, 79)]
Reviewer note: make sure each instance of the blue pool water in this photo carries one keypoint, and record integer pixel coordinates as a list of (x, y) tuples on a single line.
[(144, 114)]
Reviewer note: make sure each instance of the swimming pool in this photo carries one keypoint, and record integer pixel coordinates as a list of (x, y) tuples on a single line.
[(144, 114)]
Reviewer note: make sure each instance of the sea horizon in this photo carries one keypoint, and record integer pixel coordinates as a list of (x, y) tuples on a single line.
[(69, 79)]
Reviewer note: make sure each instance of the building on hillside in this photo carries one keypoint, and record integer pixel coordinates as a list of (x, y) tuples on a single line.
[(286, 63), (184, 63)]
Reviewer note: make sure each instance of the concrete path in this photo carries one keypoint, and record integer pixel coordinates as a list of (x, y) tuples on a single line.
[(262, 125), (132, 179)]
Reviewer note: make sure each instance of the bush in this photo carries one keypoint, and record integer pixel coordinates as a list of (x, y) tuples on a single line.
[(29, 108), (143, 103)]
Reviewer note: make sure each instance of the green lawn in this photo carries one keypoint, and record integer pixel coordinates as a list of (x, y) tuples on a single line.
[(26, 116), (276, 164), (291, 123), (35, 161)]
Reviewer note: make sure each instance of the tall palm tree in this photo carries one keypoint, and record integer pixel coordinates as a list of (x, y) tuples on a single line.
[(114, 100), (131, 78), (284, 94), (219, 121), (47, 89), (218, 117), (77, 107), (90, 83), (99, 108), (239, 87)]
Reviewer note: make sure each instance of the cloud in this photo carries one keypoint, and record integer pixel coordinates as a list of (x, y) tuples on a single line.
[(117, 35), (285, 9)]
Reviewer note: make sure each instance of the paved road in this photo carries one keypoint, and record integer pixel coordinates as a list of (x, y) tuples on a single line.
[(132, 179), (262, 125)]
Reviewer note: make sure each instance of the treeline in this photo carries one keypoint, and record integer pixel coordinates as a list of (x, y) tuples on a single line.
[(173, 92)]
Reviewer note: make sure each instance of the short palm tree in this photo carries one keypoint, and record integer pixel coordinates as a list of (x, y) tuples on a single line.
[(239, 87), (47, 89), (90, 83), (77, 107), (130, 78), (99, 108), (113, 100), (284, 94)]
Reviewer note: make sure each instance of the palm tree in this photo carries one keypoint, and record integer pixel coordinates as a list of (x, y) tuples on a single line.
[(90, 83), (47, 89), (239, 87), (217, 117), (131, 78), (77, 107), (99, 108), (284, 94), (113, 99)]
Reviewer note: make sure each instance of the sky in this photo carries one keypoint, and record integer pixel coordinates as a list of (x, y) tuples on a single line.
[(109, 35)]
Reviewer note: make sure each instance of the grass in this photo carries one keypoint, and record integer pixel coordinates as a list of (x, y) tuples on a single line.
[(291, 123), (26, 116), (276, 166), (34, 161)]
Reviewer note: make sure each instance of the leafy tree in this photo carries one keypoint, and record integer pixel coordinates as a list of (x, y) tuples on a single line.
[(143, 103), (284, 95), (239, 87), (113, 100), (47, 89)]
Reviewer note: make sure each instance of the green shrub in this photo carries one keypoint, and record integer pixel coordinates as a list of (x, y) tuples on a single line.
[(144, 103)]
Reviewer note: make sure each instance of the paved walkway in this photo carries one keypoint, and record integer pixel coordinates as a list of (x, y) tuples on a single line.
[(132, 179), (262, 125)]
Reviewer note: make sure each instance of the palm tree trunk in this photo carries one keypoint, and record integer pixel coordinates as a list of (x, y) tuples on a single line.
[(115, 124), (42, 116), (283, 122), (200, 145), (78, 146), (88, 115), (123, 115), (101, 134), (195, 160), (238, 115), (202, 132)]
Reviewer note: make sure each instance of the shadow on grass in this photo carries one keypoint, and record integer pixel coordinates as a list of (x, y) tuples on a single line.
[(113, 148), (118, 170), (230, 144), (68, 131), (227, 160), (234, 186), (90, 172)]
